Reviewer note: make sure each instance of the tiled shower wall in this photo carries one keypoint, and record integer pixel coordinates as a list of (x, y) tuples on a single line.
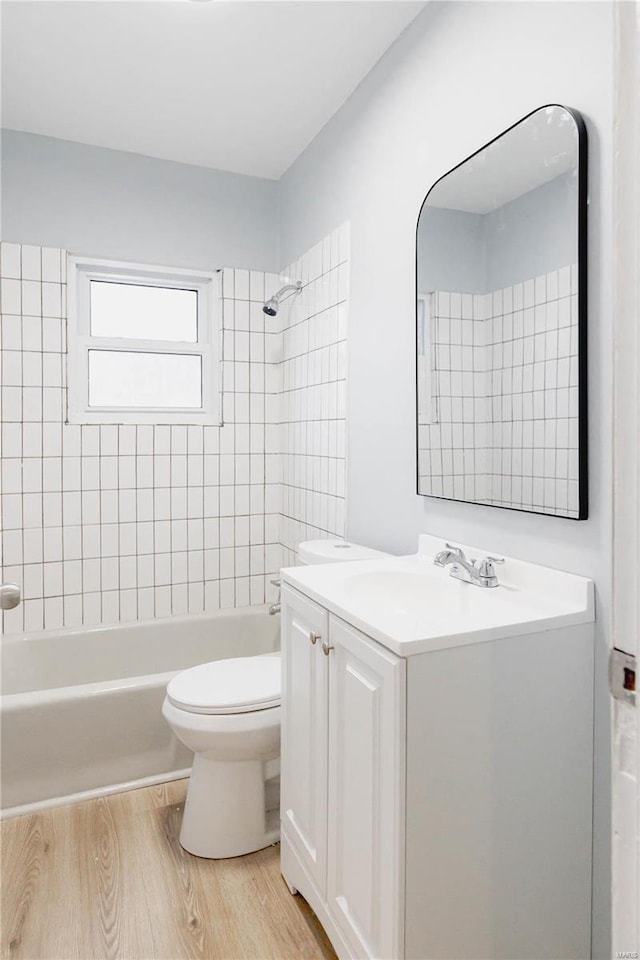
[(453, 440), (313, 414), (506, 381), (109, 523)]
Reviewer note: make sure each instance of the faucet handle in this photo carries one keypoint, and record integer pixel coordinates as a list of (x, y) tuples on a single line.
[(486, 568)]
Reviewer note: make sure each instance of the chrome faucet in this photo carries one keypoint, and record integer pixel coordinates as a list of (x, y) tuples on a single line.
[(482, 573), (275, 607)]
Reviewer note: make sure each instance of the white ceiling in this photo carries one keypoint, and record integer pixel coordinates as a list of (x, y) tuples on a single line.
[(238, 86), (531, 154)]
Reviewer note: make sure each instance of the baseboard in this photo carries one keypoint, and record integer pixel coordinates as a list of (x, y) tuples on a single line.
[(297, 878), (40, 805)]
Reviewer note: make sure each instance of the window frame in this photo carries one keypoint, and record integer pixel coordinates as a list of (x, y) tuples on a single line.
[(81, 272), (427, 398)]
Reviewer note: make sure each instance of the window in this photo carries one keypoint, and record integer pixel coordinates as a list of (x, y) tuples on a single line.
[(143, 344), (426, 367)]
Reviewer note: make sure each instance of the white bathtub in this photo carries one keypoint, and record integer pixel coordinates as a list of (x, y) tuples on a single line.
[(81, 707)]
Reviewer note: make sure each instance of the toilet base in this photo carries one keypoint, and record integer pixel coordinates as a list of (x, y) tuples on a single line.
[(224, 814)]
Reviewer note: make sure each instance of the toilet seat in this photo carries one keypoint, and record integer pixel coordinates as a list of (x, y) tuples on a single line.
[(240, 685)]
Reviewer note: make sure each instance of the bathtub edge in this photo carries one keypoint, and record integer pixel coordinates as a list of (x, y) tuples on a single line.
[(39, 806)]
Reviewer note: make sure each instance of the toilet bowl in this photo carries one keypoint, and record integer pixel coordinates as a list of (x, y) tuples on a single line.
[(228, 713)]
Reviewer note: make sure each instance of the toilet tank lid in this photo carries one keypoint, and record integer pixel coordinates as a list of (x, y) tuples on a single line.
[(240, 685), (335, 551)]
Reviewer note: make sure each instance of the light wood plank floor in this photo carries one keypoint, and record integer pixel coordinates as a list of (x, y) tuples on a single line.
[(108, 879)]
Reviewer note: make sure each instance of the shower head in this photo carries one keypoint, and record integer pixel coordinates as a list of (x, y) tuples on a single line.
[(272, 304)]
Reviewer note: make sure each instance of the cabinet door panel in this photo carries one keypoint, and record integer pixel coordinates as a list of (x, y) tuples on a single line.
[(303, 805), (366, 792)]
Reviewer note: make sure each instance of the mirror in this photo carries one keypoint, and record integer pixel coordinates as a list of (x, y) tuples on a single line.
[(501, 322)]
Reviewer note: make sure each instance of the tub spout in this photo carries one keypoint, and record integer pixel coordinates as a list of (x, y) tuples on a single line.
[(275, 607)]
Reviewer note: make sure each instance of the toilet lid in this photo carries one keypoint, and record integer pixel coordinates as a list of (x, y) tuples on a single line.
[(335, 551), (228, 686)]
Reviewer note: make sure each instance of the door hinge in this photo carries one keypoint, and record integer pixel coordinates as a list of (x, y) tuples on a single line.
[(622, 676)]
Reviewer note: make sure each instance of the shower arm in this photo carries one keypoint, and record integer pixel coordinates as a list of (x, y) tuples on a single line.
[(289, 286)]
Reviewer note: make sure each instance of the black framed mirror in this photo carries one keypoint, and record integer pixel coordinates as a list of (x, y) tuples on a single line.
[(501, 322)]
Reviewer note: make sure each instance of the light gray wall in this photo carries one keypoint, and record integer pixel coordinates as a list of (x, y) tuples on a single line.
[(533, 234), (457, 77), (450, 253), (110, 203), (475, 253)]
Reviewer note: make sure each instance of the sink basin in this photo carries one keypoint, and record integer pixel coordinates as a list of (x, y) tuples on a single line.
[(412, 606)]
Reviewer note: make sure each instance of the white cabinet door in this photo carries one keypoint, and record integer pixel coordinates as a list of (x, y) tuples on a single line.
[(366, 793), (303, 803)]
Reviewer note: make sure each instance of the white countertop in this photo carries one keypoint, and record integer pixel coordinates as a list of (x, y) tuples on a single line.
[(412, 606)]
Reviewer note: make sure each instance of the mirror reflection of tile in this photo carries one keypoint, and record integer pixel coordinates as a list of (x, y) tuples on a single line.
[(501, 370)]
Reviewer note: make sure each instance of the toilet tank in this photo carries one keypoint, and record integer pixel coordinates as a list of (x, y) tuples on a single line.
[(335, 551)]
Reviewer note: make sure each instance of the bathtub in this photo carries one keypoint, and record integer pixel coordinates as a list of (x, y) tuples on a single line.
[(80, 707)]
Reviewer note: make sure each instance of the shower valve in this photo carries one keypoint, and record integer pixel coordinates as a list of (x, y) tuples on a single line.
[(9, 596)]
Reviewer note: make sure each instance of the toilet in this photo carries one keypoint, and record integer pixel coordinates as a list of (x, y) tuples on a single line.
[(228, 713), (335, 551)]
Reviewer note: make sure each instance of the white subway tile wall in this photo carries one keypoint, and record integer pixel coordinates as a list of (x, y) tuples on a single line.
[(314, 387), (109, 523), (505, 378)]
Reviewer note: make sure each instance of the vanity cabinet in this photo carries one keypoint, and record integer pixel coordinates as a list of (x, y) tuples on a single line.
[(437, 805), (342, 804), (305, 732)]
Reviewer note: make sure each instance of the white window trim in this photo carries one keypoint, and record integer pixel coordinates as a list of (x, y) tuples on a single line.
[(81, 271), (426, 366)]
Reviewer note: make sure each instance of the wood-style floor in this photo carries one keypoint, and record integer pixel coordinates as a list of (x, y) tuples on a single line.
[(108, 879)]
